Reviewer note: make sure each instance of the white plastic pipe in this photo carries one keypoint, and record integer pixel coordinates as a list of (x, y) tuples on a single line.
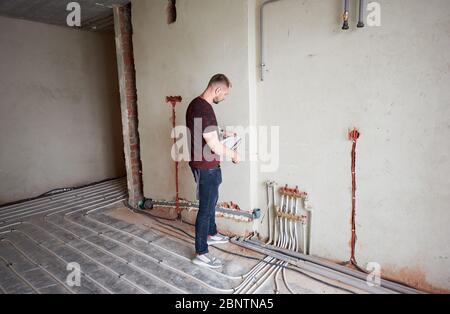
[(262, 38), (268, 211), (291, 224), (285, 223), (309, 210), (254, 272), (273, 208), (252, 280), (279, 223), (266, 276), (305, 245), (285, 280)]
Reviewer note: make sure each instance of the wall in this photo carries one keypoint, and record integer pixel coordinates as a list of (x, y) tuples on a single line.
[(179, 59), (390, 81), (128, 102), (60, 115)]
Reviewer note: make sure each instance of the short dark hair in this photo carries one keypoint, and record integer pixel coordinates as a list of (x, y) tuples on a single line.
[(221, 79)]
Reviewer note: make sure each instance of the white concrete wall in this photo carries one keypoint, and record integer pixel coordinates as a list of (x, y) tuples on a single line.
[(390, 81), (179, 59), (59, 109)]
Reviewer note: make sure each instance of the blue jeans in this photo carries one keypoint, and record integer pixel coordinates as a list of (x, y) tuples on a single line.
[(208, 182)]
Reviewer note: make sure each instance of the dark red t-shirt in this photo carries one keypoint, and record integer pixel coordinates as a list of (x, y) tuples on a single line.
[(200, 119)]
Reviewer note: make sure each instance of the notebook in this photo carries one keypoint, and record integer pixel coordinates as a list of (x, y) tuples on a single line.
[(232, 142)]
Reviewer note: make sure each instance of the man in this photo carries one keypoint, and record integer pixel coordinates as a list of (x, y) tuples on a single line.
[(205, 151)]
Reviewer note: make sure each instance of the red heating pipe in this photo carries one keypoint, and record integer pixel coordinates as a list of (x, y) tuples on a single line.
[(353, 136), (173, 100)]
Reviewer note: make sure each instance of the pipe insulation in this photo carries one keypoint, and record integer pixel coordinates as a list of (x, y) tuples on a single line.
[(321, 264)]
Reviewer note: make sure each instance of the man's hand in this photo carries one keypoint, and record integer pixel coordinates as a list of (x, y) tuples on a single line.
[(229, 134), (212, 140)]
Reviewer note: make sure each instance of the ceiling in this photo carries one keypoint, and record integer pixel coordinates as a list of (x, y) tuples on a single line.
[(96, 15)]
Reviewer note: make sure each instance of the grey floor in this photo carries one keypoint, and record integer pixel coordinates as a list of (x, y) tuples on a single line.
[(119, 251)]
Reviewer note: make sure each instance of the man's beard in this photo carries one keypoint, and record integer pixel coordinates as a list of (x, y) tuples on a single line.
[(216, 101)]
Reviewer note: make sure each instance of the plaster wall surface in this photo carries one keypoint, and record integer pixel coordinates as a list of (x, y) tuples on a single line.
[(59, 109), (389, 81)]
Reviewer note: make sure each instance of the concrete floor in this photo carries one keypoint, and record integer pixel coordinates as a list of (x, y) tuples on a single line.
[(120, 251)]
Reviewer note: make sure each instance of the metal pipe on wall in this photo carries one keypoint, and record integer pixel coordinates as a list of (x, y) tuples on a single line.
[(291, 212), (296, 211), (308, 208), (361, 14), (284, 231), (270, 191), (261, 26), (273, 209), (346, 14)]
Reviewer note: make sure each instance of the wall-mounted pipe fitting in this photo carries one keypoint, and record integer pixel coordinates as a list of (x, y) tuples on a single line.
[(285, 218), (361, 14), (346, 15)]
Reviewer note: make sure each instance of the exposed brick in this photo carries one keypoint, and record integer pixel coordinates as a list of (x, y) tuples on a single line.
[(130, 93), (127, 58), (136, 181), (135, 162), (130, 84), (132, 113), (133, 125), (131, 71), (129, 107), (131, 96), (135, 169)]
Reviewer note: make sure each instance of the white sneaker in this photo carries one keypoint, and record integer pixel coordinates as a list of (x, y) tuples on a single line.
[(217, 239), (207, 260)]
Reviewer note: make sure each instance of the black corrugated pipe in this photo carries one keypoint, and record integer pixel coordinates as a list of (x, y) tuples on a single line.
[(346, 15), (361, 14)]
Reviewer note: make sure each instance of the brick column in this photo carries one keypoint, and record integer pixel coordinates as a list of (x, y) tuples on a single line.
[(128, 102)]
